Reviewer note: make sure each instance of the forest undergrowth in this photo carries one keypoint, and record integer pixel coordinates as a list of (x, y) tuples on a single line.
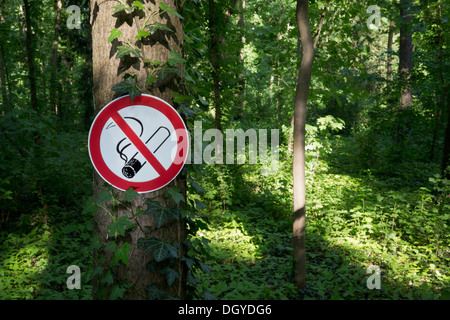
[(356, 218)]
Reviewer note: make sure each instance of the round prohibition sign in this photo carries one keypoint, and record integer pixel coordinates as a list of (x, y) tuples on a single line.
[(141, 143)]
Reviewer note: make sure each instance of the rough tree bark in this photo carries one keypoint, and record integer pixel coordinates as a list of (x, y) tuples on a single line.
[(304, 79), (108, 71)]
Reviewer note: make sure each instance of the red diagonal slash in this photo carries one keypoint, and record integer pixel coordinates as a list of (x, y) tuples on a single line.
[(137, 142)]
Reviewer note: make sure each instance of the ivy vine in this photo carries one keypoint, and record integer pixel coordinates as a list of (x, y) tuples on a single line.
[(154, 69), (166, 255)]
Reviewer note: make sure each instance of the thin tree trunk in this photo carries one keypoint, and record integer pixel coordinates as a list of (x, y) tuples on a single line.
[(214, 56), (315, 44), (405, 53), (304, 79), (438, 121), (3, 64), (444, 87), (30, 56), (5, 100), (319, 29), (291, 123), (446, 157), (241, 82), (54, 63), (389, 50), (108, 71), (277, 64)]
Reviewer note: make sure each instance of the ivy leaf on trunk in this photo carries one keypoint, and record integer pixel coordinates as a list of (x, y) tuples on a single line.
[(160, 214), (129, 86)]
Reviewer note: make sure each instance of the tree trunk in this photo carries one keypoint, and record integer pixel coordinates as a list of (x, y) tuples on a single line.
[(3, 79), (241, 82), (319, 28), (54, 63), (214, 15), (405, 53), (3, 64), (304, 79), (443, 84), (389, 51), (30, 56), (108, 71), (446, 158)]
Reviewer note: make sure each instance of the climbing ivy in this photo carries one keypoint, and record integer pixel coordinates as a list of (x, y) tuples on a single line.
[(166, 255), (133, 47)]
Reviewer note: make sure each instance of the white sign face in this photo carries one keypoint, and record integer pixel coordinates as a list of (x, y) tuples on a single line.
[(124, 159), (141, 145)]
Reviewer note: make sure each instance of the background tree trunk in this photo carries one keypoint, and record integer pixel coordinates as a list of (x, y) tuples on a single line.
[(30, 56), (405, 53), (54, 62), (389, 50), (215, 14), (446, 158), (443, 84), (108, 71), (304, 79)]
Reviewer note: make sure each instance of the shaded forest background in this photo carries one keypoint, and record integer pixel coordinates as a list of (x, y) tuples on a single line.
[(376, 139)]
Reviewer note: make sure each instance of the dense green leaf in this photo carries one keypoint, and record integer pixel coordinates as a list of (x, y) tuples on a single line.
[(111, 246), (160, 213), (170, 274), (175, 58), (175, 194), (130, 86), (130, 194), (90, 207), (114, 34), (104, 196), (108, 278), (141, 34), (151, 79), (121, 254), (189, 262), (117, 292), (160, 249), (124, 50), (165, 71), (196, 185), (158, 26), (120, 226), (139, 5), (169, 10), (154, 293), (119, 8)]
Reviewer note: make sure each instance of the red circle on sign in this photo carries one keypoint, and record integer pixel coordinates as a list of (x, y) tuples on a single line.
[(110, 111)]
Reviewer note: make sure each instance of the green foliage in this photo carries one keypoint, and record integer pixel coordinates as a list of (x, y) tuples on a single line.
[(354, 220), (161, 214), (160, 249), (374, 197), (155, 69), (130, 86), (166, 255)]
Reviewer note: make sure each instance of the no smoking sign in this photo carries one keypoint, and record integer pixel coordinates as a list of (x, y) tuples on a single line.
[(141, 143)]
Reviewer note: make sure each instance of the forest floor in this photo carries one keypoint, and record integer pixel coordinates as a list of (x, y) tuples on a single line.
[(355, 219)]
